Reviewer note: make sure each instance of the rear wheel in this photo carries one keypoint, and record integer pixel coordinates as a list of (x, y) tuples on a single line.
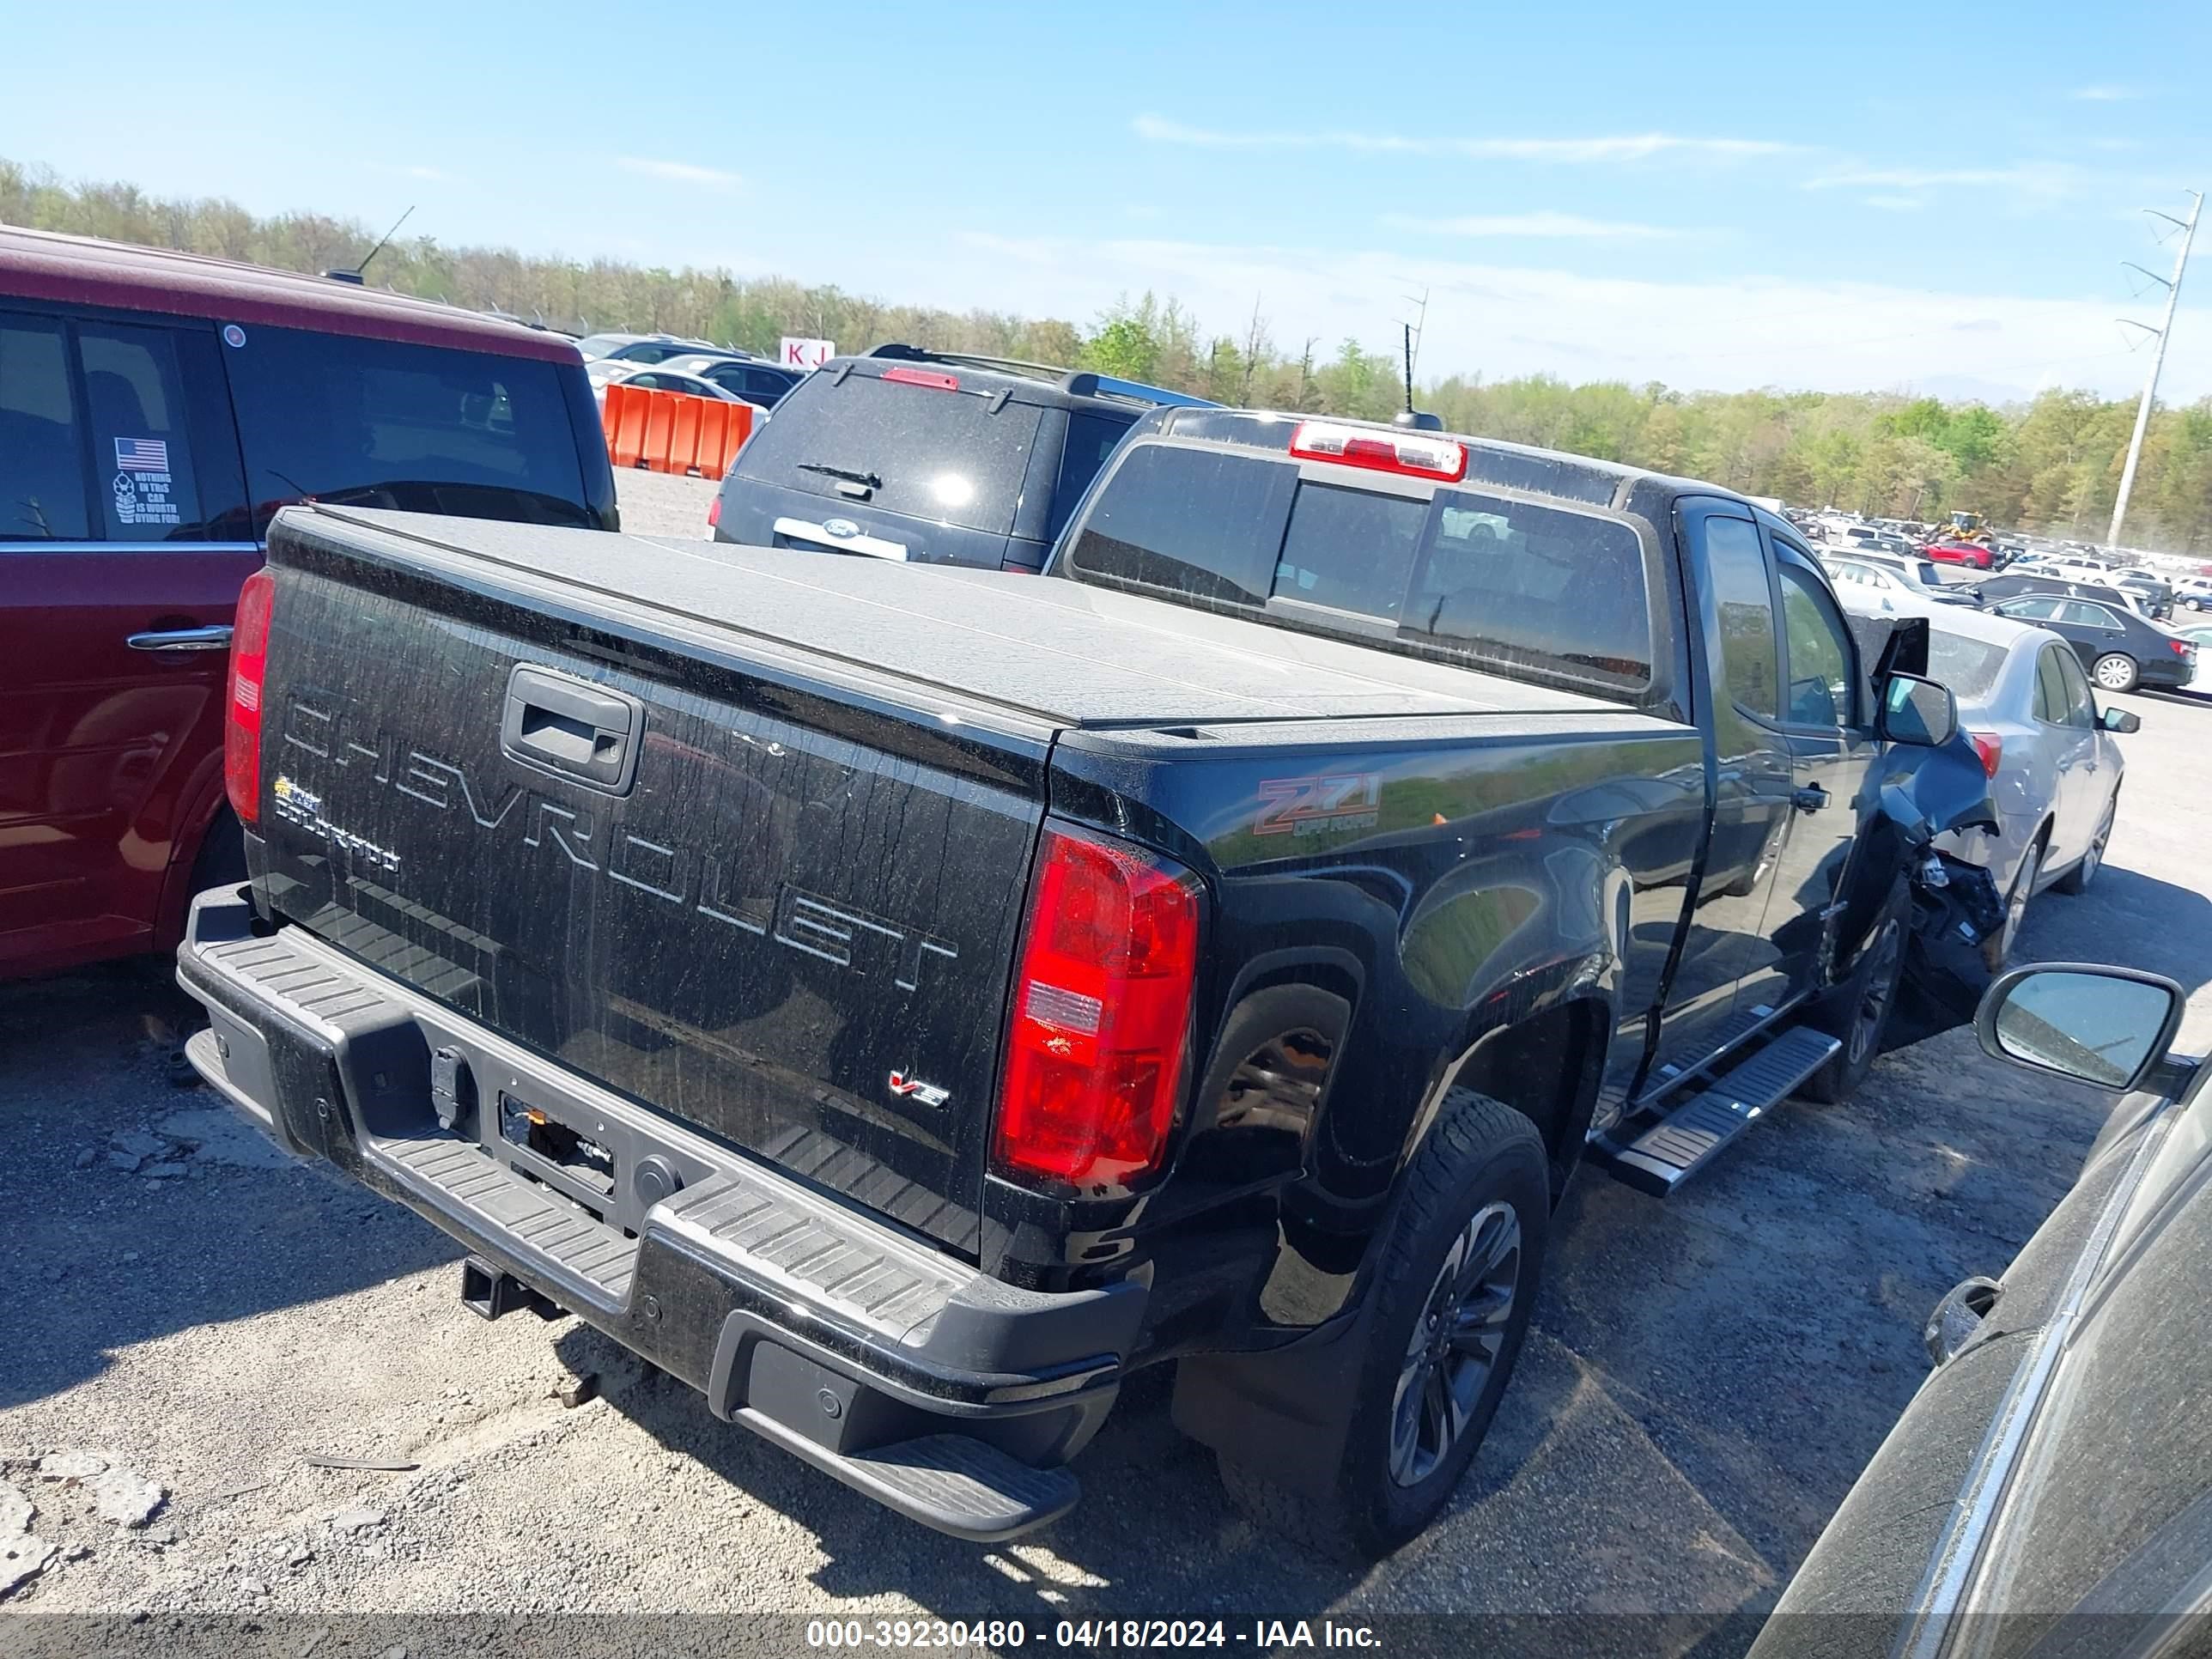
[(1996, 949), (1856, 1012), (2115, 670), (1456, 1287), (2077, 879)]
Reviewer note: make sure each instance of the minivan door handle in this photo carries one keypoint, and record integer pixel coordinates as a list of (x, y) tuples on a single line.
[(559, 723), (180, 639)]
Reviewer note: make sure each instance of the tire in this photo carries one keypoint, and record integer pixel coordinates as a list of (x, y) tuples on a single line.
[(1996, 949), (1858, 1010), (2115, 670), (222, 860), (2076, 880), (1465, 1252)]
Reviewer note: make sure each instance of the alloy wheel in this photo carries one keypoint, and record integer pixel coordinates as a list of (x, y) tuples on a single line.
[(2094, 859), (2115, 672), (1455, 1343)]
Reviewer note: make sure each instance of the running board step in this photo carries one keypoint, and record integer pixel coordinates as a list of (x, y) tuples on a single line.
[(1694, 1133), (949, 1481)]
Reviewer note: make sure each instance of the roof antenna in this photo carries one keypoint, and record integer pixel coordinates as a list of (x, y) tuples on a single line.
[(1412, 419), (355, 275)]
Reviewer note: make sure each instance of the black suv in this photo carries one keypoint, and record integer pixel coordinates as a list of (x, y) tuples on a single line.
[(929, 457)]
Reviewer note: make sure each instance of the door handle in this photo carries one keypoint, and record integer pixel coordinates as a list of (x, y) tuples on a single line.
[(1811, 798), (559, 723), (181, 639)]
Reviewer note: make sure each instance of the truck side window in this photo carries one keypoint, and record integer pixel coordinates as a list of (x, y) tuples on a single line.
[(1737, 567), (1091, 439), (1819, 654), (1190, 523), (42, 493)]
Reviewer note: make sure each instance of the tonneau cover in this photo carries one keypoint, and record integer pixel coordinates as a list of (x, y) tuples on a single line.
[(1073, 654)]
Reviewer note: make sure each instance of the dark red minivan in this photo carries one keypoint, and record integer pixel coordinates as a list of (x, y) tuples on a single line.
[(155, 409)]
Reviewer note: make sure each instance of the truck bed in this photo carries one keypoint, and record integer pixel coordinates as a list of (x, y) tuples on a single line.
[(1068, 654)]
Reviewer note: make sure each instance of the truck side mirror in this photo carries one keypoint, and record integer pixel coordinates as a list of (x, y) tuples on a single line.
[(2121, 720), (1917, 711), (2107, 1027)]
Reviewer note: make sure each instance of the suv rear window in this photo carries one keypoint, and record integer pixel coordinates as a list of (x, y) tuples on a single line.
[(954, 457), (381, 423)]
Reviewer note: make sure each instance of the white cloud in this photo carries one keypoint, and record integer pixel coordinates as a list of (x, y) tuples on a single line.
[(2042, 180), (1635, 147), (428, 175), (2103, 92), (678, 173), (1500, 320), (1545, 223)]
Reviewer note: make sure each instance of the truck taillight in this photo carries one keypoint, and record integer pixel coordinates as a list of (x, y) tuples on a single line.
[(1101, 1017), (1380, 451), (714, 510), (1990, 746), (249, 663)]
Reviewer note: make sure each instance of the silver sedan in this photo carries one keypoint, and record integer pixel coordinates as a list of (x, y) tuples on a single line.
[(2054, 768)]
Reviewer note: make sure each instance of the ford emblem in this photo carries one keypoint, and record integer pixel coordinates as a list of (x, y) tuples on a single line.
[(843, 529)]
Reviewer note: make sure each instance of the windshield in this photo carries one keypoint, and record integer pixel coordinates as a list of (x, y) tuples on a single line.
[(599, 345), (950, 457)]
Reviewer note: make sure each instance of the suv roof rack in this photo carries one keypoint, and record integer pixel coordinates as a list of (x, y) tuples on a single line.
[(1077, 383)]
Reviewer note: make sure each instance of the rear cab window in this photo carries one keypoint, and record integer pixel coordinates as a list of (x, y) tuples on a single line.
[(368, 423), (1509, 586), (922, 447)]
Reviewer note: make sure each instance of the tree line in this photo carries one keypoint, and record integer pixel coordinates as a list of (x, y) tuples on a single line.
[(2051, 464)]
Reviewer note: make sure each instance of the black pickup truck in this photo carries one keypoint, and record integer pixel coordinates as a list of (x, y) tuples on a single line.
[(901, 1002)]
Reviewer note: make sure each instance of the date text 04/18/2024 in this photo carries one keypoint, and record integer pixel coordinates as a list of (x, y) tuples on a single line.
[(1262, 1635)]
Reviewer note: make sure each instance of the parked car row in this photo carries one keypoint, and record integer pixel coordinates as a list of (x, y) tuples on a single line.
[(726, 371)]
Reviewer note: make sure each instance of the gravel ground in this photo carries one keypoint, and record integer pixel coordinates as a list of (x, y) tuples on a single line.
[(657, 504), (1704, 1379)]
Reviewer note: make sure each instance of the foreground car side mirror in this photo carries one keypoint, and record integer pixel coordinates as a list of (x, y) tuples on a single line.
[(1917, 711), (2121, 720), (2111, 1028)]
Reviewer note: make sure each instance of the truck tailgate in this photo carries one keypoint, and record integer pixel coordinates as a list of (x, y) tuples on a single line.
[(773, 906)]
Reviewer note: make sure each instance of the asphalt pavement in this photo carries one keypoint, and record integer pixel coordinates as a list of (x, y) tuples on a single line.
[(1704, 1378)]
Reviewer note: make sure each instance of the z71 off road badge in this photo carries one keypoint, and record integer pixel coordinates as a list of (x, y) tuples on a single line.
[(912, 1088)]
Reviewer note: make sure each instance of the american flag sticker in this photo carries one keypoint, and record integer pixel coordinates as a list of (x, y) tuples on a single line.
[(142, 454)]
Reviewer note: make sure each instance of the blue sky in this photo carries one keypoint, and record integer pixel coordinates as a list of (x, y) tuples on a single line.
[(1868, 197)]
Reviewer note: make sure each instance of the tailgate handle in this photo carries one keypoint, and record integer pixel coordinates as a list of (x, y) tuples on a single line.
[(558, 723)]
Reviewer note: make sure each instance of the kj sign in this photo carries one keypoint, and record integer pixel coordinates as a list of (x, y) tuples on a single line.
[(806, 353)]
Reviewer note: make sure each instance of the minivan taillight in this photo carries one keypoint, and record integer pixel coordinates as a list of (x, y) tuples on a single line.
[(249, 663), (1101, 1016)]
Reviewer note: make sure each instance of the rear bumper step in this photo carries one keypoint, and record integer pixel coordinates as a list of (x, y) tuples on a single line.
[(1693, 1134), (909, 1375)]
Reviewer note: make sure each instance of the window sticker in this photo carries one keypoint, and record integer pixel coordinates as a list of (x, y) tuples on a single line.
[(142, 481)]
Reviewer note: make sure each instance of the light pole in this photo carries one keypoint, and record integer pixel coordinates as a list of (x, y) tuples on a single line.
[(2157, 362)]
